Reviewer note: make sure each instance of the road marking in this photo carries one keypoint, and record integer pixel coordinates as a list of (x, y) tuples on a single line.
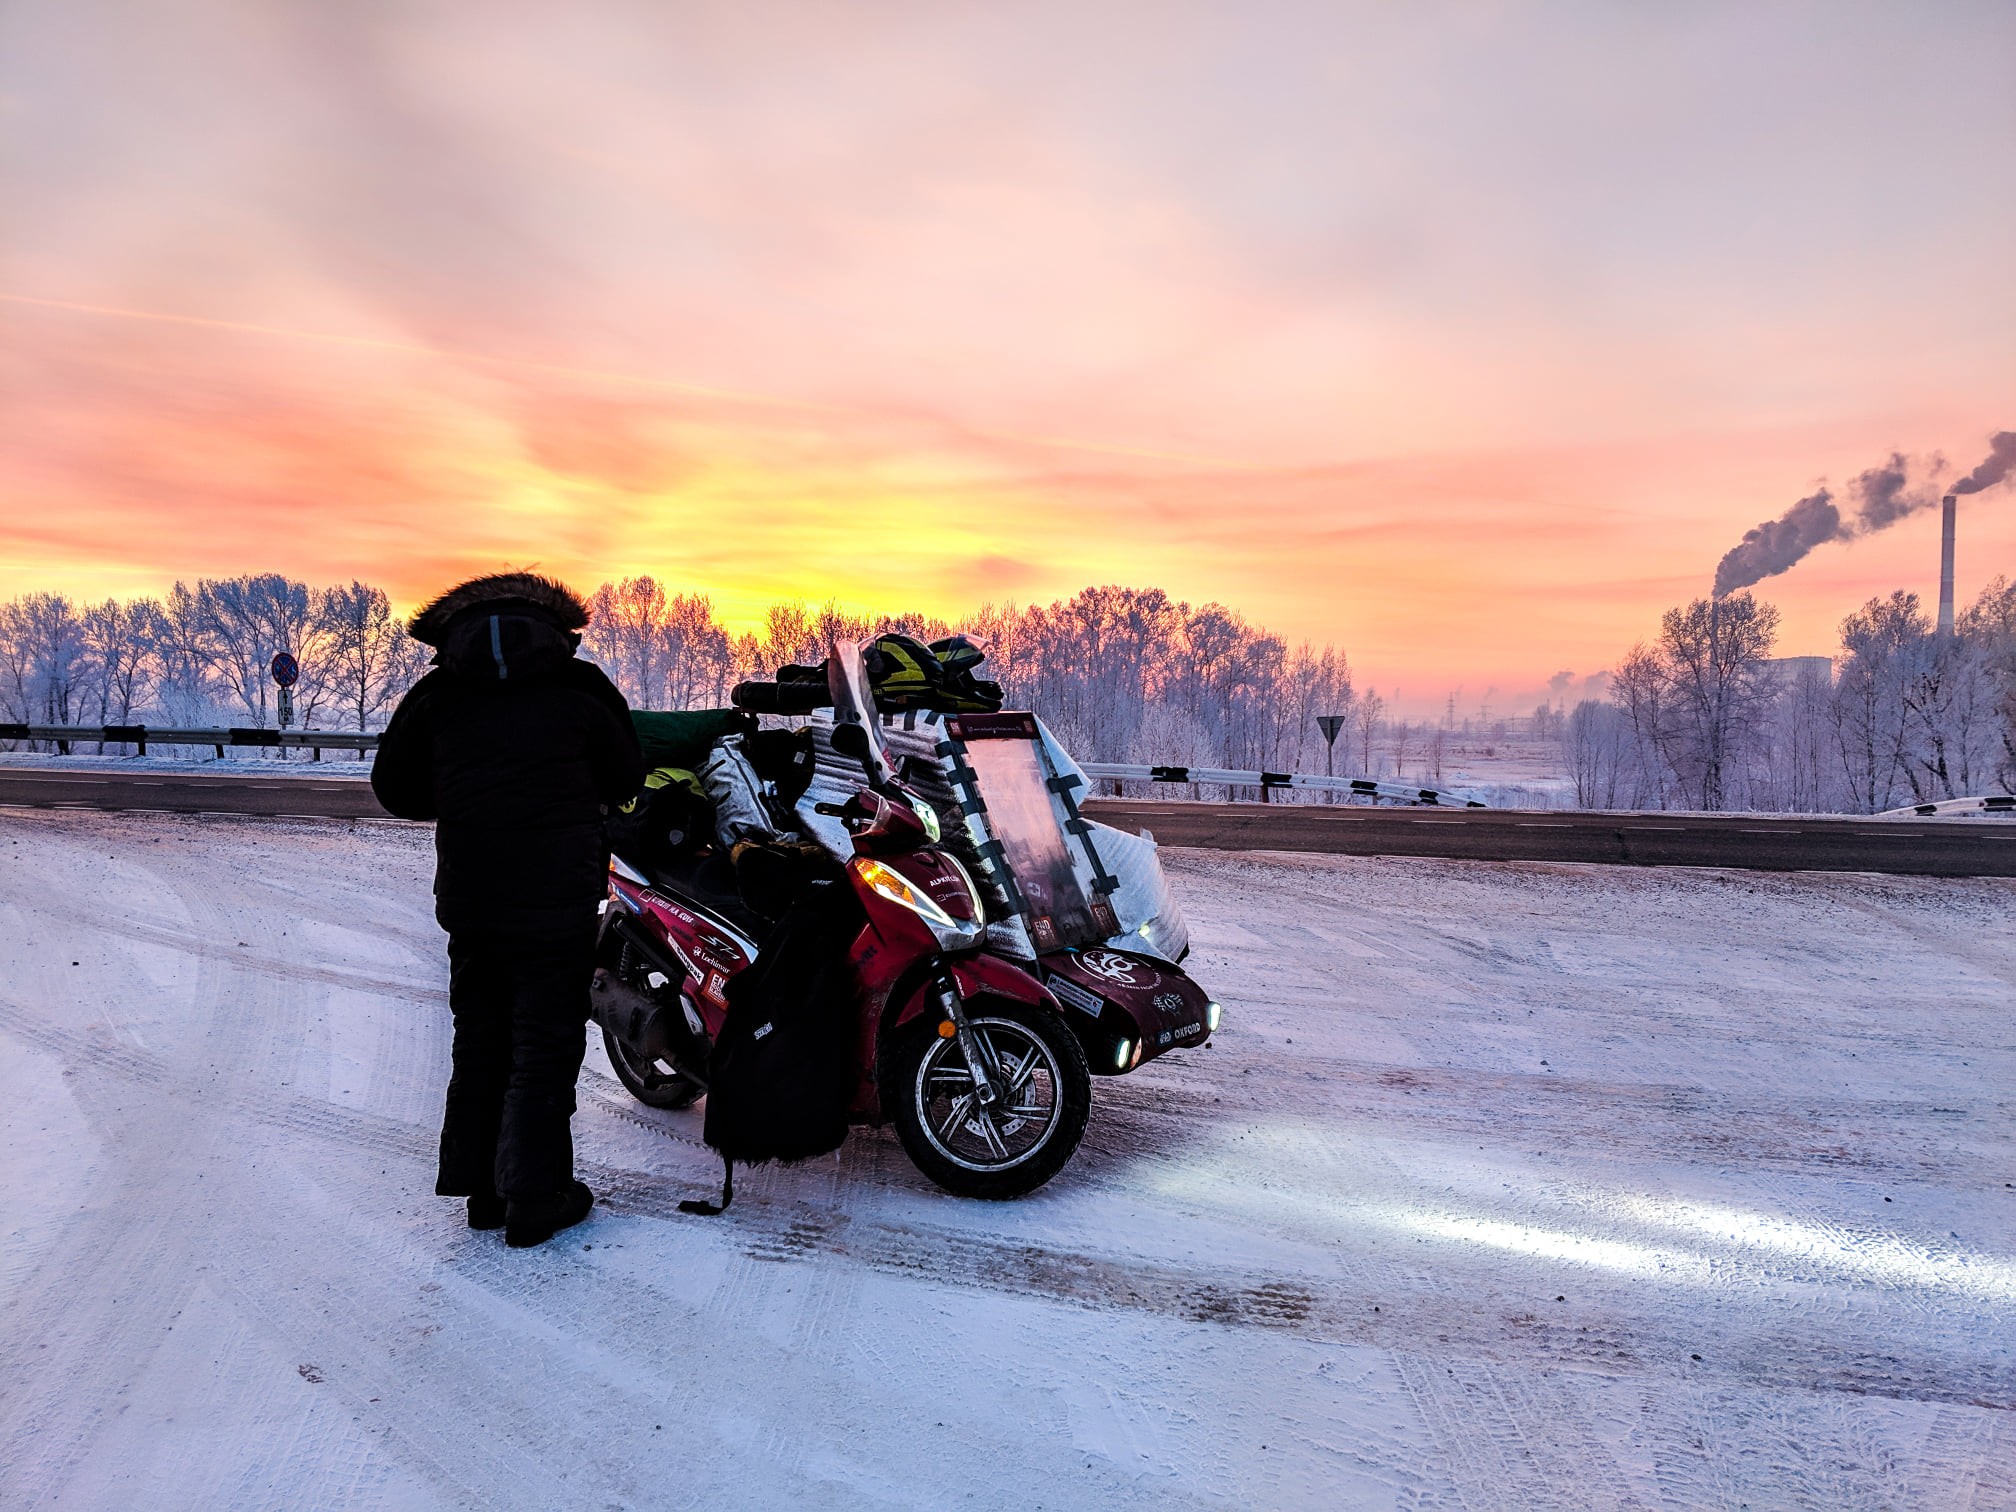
[(1542, 824)]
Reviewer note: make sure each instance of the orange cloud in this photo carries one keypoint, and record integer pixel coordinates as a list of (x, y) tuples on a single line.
[(1427, 336)]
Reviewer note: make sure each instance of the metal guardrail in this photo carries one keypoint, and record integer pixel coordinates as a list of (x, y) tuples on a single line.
[(1996, 803), (1270, 782), (218, 737)]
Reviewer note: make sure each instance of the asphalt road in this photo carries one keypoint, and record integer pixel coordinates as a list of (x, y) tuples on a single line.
[(191, 793), (1940, 848)]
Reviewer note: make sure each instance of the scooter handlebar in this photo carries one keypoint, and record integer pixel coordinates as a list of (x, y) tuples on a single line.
[(780, 698)]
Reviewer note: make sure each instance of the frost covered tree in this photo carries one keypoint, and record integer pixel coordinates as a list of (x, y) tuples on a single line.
[(368, 659), (234, 626), (1871, 720), (1596, 745), (1990, 624), (1712, 654), (119, 647), (664, 650), (1366, 719), (45, 668)]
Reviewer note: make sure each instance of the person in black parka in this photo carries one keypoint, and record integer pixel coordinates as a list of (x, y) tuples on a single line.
[(516, 750)]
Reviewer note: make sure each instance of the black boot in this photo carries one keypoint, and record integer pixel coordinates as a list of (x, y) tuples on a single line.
[(534, 1220), (486, 1211)]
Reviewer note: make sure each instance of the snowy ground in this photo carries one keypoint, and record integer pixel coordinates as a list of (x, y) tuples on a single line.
[(1503, 1186), (246, 761)]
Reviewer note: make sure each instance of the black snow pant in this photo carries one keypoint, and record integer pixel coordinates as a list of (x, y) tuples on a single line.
[(520, 1002)]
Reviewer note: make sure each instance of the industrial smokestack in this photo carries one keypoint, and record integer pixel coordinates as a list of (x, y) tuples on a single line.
[(1946, 566)]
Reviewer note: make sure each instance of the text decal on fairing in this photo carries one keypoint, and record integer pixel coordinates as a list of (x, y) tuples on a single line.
[(1068, 991)]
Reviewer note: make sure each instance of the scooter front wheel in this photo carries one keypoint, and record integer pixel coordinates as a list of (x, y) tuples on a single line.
[(1043, 1097)]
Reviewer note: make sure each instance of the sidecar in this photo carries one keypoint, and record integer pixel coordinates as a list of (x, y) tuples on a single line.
[(1085, 906)]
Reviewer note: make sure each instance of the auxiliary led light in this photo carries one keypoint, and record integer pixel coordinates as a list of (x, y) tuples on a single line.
[(1120, 1054), (928, 817), (1211, 1012)]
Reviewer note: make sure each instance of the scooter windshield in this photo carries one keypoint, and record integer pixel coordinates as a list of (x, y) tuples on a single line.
[(854, 709), (1021, 814)]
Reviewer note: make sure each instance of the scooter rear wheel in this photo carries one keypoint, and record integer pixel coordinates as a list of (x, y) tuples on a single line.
[(1031, 1132), (648, 1081)]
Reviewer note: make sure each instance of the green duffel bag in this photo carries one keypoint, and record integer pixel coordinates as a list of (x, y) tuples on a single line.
[(683, 738)]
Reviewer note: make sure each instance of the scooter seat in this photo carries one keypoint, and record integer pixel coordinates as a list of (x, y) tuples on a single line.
[(706, 878)]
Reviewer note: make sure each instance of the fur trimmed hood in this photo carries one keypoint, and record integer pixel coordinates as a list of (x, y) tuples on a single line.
[(523, 592)]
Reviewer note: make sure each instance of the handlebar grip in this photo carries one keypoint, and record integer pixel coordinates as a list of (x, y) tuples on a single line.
[(831, 810), (780, 698)]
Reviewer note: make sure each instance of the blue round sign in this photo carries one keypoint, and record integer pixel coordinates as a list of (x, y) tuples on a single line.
[(286, 670)]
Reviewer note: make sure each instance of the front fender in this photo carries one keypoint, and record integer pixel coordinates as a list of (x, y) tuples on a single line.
[(978, 976)]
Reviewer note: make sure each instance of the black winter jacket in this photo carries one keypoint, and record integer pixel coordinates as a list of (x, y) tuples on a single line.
[(517, 750)]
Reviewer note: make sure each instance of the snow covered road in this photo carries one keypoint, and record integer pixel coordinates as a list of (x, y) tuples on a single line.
[(1504, 1185)]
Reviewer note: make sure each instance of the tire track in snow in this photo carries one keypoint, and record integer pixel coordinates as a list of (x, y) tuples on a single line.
[(150, 1146), (1332, 1308), (1531, 1447)]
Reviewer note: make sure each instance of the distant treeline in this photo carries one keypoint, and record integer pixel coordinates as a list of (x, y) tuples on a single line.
[(1704, 718), (1122, 674)]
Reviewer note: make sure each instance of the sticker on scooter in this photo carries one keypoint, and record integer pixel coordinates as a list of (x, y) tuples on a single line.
[(1067, 991), (1118, 969)]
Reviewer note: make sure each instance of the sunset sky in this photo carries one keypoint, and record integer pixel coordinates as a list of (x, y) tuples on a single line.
[(1465, 336)]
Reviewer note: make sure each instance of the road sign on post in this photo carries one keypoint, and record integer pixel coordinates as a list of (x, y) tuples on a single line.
[(286, 672), (1329, 724)]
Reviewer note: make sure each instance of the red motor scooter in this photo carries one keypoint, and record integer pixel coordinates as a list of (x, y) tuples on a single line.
[(965, 1052)]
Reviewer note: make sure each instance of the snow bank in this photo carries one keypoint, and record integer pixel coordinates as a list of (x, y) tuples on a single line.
[(1503, 1186)]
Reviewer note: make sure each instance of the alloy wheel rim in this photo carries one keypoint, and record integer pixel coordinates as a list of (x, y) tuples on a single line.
[(1019, 1126)]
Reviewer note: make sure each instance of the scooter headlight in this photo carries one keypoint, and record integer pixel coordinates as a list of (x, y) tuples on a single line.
[(887, 882)]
